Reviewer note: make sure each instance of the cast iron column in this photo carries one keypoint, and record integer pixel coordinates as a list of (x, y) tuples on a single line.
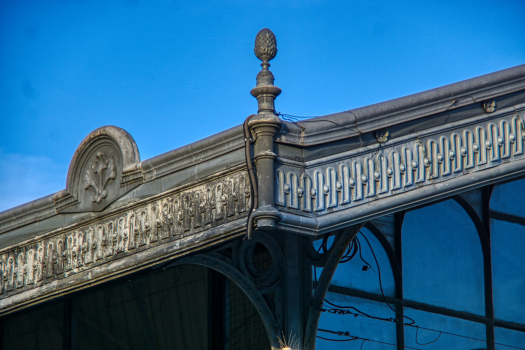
[(265, 126)]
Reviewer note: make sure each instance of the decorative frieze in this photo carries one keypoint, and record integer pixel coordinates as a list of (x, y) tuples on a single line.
[(168, 218), (400, 165)]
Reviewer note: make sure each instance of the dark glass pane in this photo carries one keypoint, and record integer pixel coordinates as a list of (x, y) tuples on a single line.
[(385, 224), (507, 339), (508, 198), (442, 258), (244, 329), (41, 329), (166, 310), (356, 273), (362, 327), (469, 335), (508, 270)]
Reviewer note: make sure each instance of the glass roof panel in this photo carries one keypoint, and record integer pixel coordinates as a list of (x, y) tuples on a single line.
[(508, 270), (362, 327), (462, 334), (507, 339), (508, 198), (442, 258), (363, 274)]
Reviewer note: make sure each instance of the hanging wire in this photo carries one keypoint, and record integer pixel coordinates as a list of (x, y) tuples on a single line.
[(368, 266), (294, 119), (350, 253), (325, 244), (435, 340), (336, 340), (381, 283), (353, 337), (347, 310)]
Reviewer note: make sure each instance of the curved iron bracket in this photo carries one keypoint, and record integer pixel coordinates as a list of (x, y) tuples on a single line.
[(321, 289)]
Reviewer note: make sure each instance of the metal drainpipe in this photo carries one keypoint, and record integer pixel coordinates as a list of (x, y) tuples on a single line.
[(265, 125)]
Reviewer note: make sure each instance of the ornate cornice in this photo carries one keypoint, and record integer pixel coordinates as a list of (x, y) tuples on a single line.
[(432, 158), (213, 154), (166, 220)]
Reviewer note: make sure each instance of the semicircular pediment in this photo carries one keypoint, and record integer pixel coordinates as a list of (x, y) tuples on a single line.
[(99, 171)]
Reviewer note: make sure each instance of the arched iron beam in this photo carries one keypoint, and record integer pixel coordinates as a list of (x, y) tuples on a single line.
[(476, 220), (324, 282), (214, 263), (392, 258)]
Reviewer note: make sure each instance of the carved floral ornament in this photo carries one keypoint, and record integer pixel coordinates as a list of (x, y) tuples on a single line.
[(101, 170)]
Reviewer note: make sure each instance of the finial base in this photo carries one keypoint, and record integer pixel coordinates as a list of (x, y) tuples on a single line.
[(265, 97)]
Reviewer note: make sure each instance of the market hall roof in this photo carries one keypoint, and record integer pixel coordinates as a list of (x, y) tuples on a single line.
[(357, 127), (119, 214)]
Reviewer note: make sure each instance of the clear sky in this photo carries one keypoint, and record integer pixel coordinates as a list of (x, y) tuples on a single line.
[(172, 72)]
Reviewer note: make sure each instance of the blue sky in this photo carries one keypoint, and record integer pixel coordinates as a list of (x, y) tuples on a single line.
[(172, 72)]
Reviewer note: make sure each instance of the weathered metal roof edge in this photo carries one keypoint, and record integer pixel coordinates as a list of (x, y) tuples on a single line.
[(378, 116), (196, 152), (316, 131), (37, 210), (153, 168)]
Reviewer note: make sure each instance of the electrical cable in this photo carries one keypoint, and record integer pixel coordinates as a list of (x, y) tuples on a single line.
[(290, 118), (457, 335), (350, 253), (435, 340), (341, 310), (253, 182), (353, 337), (462, 336), (361, 255), (336, 340), (381, 284), (324, 244)]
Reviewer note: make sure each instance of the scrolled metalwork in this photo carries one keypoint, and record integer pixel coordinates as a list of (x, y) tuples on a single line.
[(262, 278), (318, 257)]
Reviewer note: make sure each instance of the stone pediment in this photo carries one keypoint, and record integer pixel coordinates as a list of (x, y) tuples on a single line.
[(103, 168)]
